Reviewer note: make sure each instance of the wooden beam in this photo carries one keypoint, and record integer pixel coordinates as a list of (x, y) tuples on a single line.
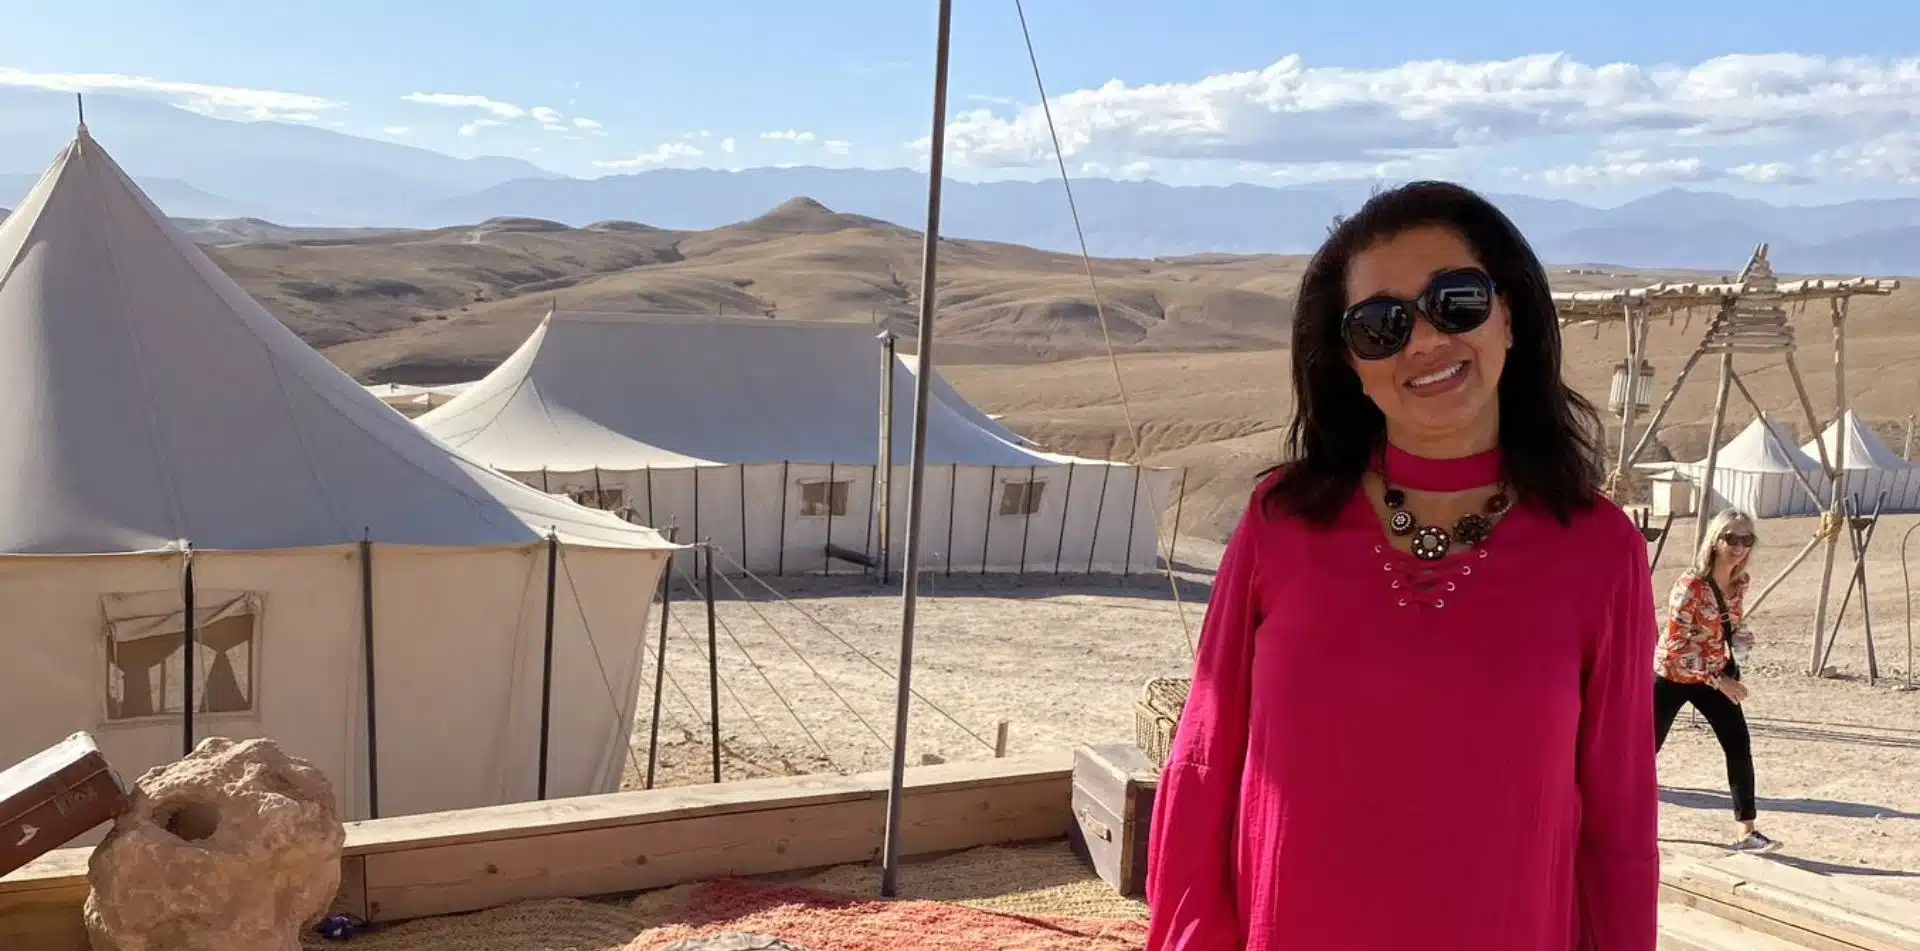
[(449, 862), (1703, 513), (1807, 908)]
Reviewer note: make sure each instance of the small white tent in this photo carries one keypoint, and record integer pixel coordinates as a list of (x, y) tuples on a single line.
[(1755, 471), (762, 436), (167, 443), (412, 400), (1871, 467)]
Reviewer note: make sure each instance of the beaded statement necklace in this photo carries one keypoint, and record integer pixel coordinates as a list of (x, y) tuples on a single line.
[(1432, 542)]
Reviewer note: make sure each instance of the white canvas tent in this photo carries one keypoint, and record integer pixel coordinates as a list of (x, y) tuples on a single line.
[(165, 438), (1755, 470), (412, 400), (762, 436), (1871, 467)]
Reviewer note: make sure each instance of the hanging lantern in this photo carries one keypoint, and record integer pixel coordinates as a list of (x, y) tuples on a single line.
[(1642, 388)]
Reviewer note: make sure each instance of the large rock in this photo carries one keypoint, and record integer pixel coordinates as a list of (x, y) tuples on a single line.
[(234, 848)]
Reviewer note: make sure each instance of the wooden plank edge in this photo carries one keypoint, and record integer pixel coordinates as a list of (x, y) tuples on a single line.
[(1782, 912), (40, 904), (1754, 920)]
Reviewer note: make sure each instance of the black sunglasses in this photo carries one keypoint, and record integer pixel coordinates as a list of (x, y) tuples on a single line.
[(1454, 302), (1738, 541)]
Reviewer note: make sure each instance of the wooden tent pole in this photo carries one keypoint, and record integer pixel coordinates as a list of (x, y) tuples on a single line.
[(1704, 513), (1838, 481)]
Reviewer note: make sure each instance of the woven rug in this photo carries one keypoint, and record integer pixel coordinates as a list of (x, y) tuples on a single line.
[(823, 921)]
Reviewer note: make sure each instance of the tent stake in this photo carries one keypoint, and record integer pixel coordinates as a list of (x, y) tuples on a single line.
[(366, 633), (546, 662), (916, 479), (188, 660), (660, 663)]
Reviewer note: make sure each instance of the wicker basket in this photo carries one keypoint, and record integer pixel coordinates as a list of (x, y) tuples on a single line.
[(1157, 715)]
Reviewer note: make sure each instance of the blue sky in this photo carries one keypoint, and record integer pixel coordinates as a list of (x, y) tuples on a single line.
[(1622, 98)]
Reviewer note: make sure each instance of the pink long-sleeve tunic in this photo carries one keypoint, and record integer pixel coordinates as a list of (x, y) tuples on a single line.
[(1381, 754)]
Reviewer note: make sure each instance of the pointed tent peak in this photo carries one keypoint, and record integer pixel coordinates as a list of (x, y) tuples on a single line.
[(1865, 450), (80, 105), (155, 401), (1765, 445)]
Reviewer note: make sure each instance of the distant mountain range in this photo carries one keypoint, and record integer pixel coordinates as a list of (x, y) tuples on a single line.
[(197, 167)]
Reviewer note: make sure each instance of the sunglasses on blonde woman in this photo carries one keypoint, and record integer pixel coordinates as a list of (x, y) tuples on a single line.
[(1737, 540), (1454, 302)]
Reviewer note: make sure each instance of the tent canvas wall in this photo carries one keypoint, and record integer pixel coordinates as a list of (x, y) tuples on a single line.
[(1871, 466), (166, 438), (1754, 471), (763, 436)]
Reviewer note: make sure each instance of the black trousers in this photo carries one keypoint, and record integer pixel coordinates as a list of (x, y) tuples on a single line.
[(1729, 727)]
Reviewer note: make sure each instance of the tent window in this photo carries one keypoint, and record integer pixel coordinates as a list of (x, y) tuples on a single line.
[(821, 499), (603, 498), (1021, 498), (145, 676)]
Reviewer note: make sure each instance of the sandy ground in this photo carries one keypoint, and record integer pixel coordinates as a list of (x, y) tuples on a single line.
[(1062, 660)]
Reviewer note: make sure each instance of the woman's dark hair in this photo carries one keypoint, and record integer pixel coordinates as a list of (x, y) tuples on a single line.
[(1549, 434)]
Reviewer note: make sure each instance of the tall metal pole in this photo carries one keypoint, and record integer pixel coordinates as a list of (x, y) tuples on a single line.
[(885, 465), (917, 473)]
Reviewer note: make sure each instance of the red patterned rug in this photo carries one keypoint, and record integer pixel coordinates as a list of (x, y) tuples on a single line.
[(821, 921)]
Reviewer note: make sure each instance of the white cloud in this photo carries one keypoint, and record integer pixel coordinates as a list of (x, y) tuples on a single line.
[(1635, 167), (837, 146), (789, 135), (662, 154), (397, 130), (549, 118), (204, 98), (1291, 114), (728, 144), (505, 110), (1894, 157)]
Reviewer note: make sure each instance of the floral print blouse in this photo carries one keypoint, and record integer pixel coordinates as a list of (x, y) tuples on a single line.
[(1697, 641)]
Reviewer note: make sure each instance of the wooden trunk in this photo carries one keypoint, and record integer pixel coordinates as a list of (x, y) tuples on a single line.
[(1113, 789), (54, 797)]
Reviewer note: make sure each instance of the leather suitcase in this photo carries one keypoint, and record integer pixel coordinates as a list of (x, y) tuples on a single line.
[(1113, 790), (54, 797)]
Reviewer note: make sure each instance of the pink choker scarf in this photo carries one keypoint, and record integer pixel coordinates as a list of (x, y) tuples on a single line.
[(1405, 470)]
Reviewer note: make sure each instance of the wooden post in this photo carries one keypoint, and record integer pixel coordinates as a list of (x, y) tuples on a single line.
[(1066, 510), (546, 663), (1000, 742), (1837, 481), (189, 662), (884, 468), (366, 640), (987, 517), (713, 663), (1636, 345), (743, 517), (1713, 450), (660, 664)]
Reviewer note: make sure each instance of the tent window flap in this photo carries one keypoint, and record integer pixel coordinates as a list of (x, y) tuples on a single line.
[(818, 499), (145, 653), (1021, 498)]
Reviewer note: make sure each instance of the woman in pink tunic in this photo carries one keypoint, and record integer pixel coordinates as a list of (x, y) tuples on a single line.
[(1420, 710)]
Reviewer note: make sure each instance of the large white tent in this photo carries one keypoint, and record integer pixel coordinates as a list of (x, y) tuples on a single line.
[(762, 436), (166, 441), (1871, 467), (1755, 471)]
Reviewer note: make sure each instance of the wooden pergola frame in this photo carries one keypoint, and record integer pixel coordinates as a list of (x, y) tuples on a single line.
[(1750, 318)]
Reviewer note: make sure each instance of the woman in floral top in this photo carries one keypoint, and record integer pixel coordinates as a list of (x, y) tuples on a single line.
[(1694, 661)]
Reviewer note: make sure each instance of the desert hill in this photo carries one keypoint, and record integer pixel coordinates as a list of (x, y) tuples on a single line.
[(1201, 338)]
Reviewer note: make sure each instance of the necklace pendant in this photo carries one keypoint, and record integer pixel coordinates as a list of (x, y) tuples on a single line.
[(1430, 543), (1472, 529), (1402, 523)]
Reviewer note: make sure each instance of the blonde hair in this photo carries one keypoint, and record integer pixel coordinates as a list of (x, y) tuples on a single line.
[(1709, 544)]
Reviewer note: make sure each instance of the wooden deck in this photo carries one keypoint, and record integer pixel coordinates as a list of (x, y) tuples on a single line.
[(444, 863), (447, 863)]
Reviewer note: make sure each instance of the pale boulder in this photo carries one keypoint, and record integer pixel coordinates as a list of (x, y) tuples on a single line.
[(237, 846)]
